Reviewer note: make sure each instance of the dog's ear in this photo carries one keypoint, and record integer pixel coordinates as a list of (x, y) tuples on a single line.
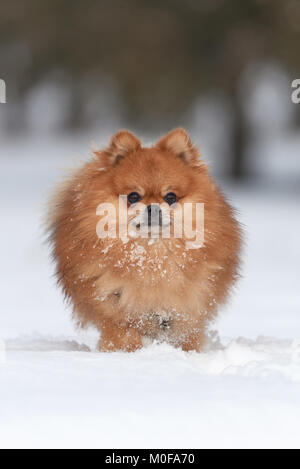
[(121, 144), (179, 143)]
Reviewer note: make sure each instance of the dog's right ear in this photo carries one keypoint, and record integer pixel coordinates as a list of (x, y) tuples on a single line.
[(121, 144)]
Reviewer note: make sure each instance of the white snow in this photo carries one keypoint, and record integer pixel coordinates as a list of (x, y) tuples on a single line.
[(57, 391), (245, 395)]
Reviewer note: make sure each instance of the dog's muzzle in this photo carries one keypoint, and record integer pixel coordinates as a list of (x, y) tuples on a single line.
[(154, 215)]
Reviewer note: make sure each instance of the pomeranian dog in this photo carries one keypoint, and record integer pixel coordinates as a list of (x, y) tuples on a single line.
[(146, 246)]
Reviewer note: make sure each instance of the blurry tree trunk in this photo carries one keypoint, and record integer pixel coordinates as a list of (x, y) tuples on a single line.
[(239, 139), (76, 117)]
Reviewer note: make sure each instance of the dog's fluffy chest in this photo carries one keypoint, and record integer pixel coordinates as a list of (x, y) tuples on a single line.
[(152, 262), (142, 279)]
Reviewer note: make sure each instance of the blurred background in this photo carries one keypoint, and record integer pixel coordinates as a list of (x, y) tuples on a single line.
[(77, 71)]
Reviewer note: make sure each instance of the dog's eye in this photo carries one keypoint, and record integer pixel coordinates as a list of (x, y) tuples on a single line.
[(134, 198), (171, 198)]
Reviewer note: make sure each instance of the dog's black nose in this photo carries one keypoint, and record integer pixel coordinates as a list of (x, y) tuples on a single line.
[(154, 215)]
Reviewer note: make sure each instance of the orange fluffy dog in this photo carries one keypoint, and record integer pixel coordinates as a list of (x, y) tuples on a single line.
[(135, 286)]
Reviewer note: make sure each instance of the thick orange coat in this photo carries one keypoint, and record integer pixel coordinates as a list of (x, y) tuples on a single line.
[(139, 289)]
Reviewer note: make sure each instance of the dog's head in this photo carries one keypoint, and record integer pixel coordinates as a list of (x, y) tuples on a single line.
[(158, 187)]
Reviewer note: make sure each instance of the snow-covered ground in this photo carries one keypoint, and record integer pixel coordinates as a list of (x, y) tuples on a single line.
[(57, 391)]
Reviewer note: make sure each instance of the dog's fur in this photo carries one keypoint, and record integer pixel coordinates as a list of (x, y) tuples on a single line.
[(139, 289)]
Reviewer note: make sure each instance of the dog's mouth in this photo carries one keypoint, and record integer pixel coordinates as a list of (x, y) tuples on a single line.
[(155, 231), (158, 226)]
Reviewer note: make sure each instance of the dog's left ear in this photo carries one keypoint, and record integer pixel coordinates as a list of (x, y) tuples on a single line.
[(179, 143)]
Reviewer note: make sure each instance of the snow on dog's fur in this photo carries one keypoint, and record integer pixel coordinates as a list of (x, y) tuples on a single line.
[(141, 288)]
